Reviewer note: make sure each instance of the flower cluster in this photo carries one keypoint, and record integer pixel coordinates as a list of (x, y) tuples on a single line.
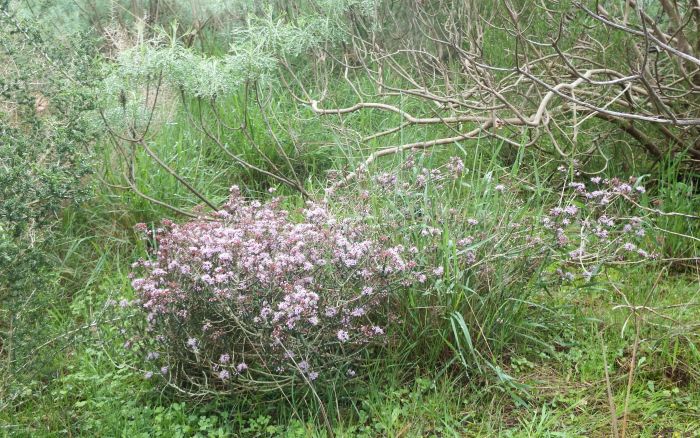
[(255, 298), (590, 229)]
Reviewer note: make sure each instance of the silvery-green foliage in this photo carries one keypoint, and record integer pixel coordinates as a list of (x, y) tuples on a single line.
[(270, 35), (256, 46), (83, 15)]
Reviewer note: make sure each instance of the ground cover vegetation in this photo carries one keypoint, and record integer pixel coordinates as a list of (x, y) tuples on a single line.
[(349, 218)]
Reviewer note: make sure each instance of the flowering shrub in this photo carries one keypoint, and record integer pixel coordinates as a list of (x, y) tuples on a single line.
[(259, 298), (254, 300), (590, 229), (588, 226), (487, 254)]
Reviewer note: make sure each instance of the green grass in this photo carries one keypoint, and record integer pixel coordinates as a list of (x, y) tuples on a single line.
[(566, 393)]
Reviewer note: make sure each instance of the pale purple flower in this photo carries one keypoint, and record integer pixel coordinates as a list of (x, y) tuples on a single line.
[(164, 370), (148, 375), (500, 187), (601, 233), (466, 241), (624, 188), (579, 187), (629, 246), (438, 271), (241, 367), (606, 221), (386, 180), (224, 374), (472, 222), (269, 267), (562, 239), (470, 257), (343, 336), (357, 312), (313, 375), (153, 355), (455, 166), (571, 210), (576, 254)]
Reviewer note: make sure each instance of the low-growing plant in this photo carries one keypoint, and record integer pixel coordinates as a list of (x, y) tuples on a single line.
[(491, 254), (254, 300)]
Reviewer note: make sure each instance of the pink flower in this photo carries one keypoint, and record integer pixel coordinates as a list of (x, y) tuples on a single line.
[(455, 166), (306, 280)]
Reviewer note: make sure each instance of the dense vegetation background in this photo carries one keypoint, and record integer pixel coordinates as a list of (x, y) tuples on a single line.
[(500, 199)]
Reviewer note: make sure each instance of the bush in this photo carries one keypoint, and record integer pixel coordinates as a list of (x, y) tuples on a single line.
[(44, 168), (492, 254), (256, 301), (253, 300)]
